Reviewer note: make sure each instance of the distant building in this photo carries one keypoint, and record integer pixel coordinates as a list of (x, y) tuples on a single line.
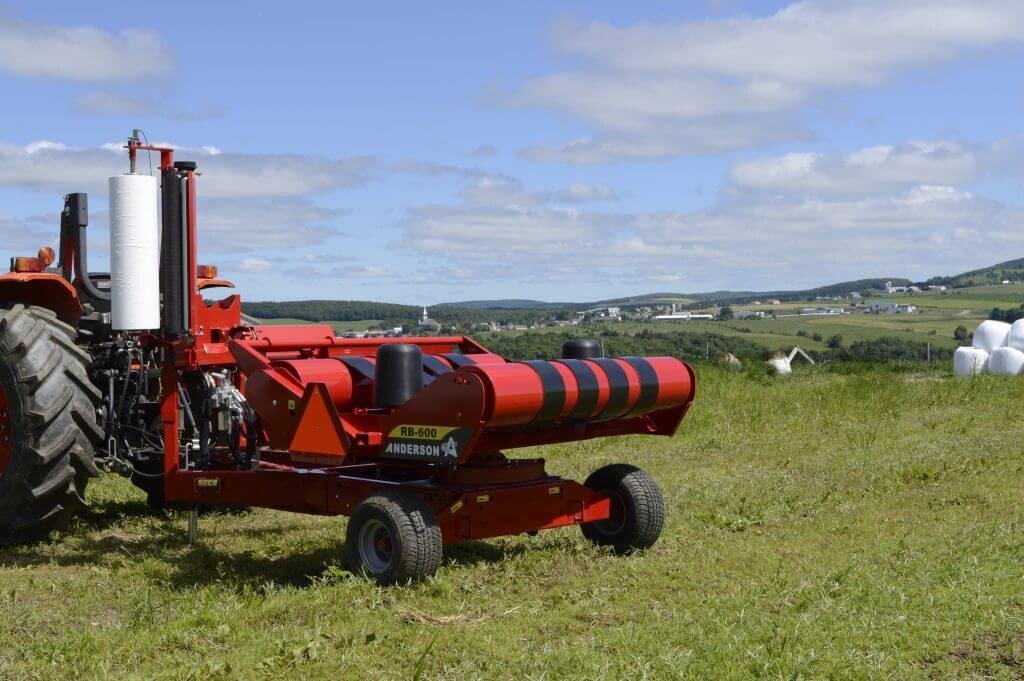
[(428, 324), (682, 317), (886, 307), (822, 311), (773, 301), (749, 314), (855, 295)]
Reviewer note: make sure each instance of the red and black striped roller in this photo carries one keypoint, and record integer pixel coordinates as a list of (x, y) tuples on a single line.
[(539, 392)]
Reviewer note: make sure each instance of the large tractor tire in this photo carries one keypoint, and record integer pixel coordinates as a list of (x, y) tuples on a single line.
[(48, 428)]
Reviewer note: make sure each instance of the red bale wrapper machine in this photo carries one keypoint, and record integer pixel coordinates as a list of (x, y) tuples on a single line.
[(134, 372)]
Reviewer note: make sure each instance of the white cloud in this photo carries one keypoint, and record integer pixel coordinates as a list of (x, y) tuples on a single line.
[(112, 103), (501, 191), (352, 272), (580, 192), (256, 265), (24, 237), (797, 220), (260, 224), (510, 192), (485, 151), (502, 233), (359, 272), (248, 202), (270, 175), (431, 169), (654, 91), (81, 53), (53, 167), (137, 103), (807, 240), (874, 169)]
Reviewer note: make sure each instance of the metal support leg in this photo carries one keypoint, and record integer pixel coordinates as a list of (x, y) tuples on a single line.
[(193, 525)]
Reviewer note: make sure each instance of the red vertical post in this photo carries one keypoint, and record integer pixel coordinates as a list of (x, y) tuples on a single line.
[(169, 419)]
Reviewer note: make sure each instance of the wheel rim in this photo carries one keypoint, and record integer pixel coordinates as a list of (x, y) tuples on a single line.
[(616, 521), (5, 432), (376, 546)]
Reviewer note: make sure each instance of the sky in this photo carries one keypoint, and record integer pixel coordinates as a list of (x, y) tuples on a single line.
[(573, 151)]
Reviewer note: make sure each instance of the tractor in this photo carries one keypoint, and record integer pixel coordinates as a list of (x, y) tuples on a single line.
[(136, 372)]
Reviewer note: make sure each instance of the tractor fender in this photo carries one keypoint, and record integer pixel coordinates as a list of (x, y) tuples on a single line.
[(42, 289)]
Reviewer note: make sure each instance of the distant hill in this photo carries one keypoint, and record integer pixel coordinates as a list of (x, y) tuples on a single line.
[(509, 304), (524, 310), (390, 315), (1012, 270), (687, 299)]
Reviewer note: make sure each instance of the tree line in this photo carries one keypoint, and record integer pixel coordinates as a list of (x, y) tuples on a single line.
[(391, 314), (689, 345)]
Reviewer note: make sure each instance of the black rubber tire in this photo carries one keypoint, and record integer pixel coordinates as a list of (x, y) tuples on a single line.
[(641, 509), (53, 427), (414, 535)]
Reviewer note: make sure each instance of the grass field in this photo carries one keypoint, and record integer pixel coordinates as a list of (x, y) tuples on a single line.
[(935, 327), (976, 299), (926, 327), (939, 314), (855, 525)]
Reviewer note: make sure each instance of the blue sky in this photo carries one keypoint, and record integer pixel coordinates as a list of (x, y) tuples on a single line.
[(563, 151)]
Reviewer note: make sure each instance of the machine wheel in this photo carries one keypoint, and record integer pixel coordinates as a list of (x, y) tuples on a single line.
[(637, 513), (48, 429), (394, 537)]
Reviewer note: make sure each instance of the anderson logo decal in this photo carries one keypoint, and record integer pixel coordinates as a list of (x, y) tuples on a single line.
[(443, 443)]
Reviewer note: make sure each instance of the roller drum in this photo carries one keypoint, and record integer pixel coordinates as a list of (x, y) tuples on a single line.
[(332, 373), (539, 392)]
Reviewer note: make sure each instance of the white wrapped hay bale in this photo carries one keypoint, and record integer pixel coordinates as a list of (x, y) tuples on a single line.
[(1006, 362), (991, 335), (780, 365), (1015, 339), (969, 361)]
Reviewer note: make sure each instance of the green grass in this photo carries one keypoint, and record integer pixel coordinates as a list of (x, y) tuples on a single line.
[(782, 332), (978, 300), (853, 327), (865, 524)]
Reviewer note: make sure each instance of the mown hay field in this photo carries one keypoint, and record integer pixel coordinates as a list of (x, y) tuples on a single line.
[(844, 523)]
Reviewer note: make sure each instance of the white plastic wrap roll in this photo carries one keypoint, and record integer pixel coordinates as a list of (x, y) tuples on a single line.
[(969, 361), (991, 335), (134, 253), (1015, 339), (1006, 362)]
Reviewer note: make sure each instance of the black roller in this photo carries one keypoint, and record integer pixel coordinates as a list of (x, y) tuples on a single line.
[(581, 348), (399, 374), (172, 253)]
